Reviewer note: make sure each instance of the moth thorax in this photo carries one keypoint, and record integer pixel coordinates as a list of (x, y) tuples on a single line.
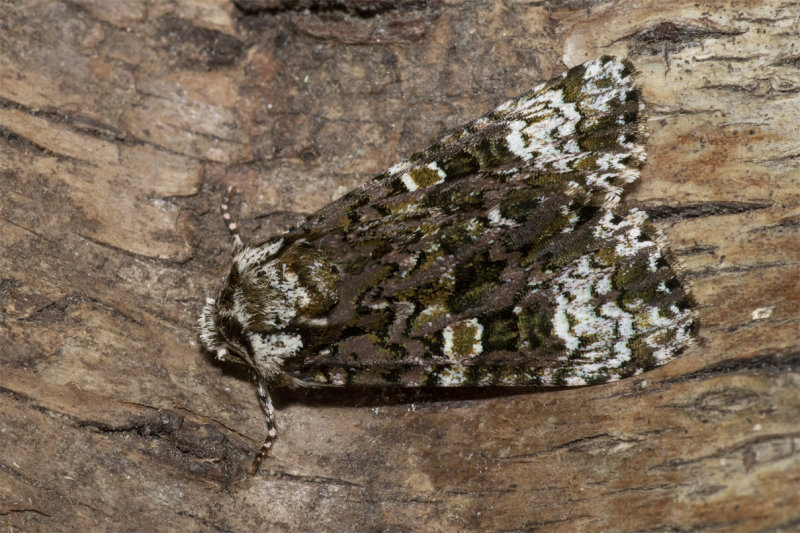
[(311, 269), (290, 288)]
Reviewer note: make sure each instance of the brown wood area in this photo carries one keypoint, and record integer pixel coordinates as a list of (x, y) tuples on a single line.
[(122, 123)]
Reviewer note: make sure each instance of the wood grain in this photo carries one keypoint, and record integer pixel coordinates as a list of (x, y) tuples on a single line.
[(121, 123)]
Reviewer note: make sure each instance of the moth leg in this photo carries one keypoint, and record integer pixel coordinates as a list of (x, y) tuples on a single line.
[(269, 414), (229, 222)]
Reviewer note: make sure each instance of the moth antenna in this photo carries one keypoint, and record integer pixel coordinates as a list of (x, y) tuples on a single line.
[(233, 227), (269, 414)]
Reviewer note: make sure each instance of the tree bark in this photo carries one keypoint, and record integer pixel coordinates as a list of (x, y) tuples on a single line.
[(122, 123)]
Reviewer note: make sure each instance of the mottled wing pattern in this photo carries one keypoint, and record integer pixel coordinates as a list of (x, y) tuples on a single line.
[(501, 255)]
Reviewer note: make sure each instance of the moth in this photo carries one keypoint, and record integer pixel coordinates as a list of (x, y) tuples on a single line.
[(499, 256)]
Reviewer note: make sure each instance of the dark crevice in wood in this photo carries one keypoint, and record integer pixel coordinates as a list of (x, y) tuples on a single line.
[(356, 8), (703, 209), (781, 362)]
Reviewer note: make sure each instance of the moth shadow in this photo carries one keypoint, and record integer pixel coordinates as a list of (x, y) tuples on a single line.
[(375, 396)]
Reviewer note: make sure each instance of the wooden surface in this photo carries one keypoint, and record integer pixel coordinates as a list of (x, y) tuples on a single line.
[(121, 123)]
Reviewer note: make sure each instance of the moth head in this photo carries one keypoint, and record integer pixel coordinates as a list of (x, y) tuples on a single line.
[(272, 293), (211, 337)]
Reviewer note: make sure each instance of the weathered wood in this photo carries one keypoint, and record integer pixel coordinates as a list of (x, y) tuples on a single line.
[(122, 122)]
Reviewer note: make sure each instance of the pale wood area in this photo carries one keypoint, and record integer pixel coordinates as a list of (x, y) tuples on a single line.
[(121, 123)]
